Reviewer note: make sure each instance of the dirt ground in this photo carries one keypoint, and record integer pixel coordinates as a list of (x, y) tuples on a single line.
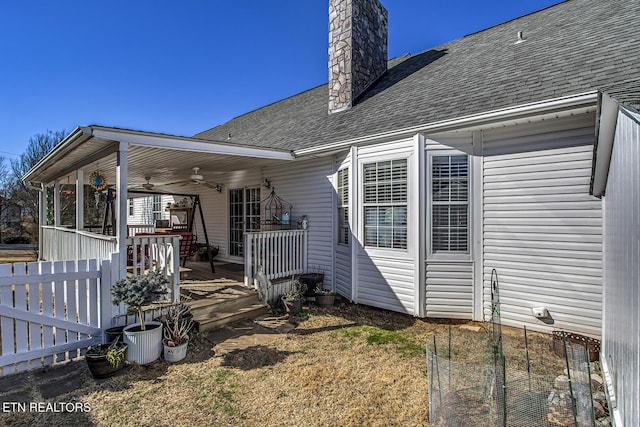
[(348, 365)]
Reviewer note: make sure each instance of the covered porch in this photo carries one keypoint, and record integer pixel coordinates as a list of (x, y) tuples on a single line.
[(124, 165)]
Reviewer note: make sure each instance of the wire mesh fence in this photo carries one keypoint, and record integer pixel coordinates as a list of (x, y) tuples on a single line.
[(505, 392), (494, 382)]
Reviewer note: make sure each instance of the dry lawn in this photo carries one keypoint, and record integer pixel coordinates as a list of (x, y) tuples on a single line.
[(345, 366), (17, 255)]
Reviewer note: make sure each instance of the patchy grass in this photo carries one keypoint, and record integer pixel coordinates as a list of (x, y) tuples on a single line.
[(348, 365), (399, 341)]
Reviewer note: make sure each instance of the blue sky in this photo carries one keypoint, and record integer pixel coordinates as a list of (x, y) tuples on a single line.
[(180, 67)]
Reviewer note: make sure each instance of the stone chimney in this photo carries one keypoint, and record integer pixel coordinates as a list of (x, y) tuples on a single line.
[(357, 49)]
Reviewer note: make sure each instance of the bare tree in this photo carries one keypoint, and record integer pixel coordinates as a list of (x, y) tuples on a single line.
[(5, 197), (38, 147)]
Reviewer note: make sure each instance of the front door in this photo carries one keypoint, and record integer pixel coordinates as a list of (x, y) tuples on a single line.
[(244, 216)]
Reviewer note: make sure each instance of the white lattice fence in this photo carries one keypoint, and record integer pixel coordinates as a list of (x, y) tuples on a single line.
[(49, 312)]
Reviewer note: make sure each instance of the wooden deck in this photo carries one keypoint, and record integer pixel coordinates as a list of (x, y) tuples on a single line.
[(201, 271), (219, 298)]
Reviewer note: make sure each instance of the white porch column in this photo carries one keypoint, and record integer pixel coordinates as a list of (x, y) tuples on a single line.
[(80, 199), (42, 217), (122, 173), (56, 204)]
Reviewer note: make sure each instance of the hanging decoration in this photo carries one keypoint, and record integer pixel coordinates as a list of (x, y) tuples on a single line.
[(98, 181), (276, 213)]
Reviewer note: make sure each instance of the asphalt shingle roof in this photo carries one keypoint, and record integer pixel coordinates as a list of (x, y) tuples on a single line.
[(570, 48), (627, 93)]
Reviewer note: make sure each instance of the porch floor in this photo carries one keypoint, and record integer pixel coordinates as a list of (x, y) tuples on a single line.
[(201, 271)]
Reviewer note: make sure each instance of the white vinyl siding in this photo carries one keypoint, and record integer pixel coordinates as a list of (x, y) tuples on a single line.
[(342, 188), (386, 277), (621, 322), (308, 186), (449, 289), (343, 251), (449, 276), (542, 229)]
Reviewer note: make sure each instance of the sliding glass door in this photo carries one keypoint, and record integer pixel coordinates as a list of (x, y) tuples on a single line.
[(244, 216)]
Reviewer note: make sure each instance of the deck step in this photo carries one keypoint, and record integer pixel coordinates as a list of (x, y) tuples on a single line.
[(227, 300), (222, 318)]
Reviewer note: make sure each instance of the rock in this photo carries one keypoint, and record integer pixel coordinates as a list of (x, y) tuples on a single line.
[(599, 396), (561, 382), (599, 409), (582, 377), (471, 327), (596, 381)]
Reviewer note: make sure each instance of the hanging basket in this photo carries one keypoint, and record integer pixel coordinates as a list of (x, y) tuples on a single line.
[(575, 339)]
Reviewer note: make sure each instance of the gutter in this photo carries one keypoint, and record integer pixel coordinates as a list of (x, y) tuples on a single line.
[(59, 149), (563, 103)]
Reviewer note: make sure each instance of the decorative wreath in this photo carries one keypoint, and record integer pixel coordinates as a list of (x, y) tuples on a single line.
[(98, 181)]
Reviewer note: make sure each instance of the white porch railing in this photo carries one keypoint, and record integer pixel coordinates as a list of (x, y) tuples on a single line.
[(134, 229), (279, 254), (64, 244), (159, 253)]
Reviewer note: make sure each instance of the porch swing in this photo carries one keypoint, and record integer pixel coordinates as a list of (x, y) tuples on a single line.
[(187, 243)]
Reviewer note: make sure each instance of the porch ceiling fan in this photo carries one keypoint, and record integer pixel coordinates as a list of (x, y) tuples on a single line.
[(147, 186), (198, 179)]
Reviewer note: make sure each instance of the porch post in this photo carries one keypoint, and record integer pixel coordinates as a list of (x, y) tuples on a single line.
[(80, 199), (56, 204), (42, 218), (122, 172)]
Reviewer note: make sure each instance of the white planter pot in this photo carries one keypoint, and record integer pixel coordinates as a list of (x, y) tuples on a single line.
[(144, 346), (175, 354)]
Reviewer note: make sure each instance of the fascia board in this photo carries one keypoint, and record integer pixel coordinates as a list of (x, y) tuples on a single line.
[(189, 144)]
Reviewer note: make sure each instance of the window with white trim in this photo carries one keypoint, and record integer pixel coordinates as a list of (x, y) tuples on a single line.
[(156, 208), (342, 188), (450, 204), (385, 204)]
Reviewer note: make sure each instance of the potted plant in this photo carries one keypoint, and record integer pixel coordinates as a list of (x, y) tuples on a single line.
[(104, 360), (324, 297), (177, 325), (144, 338), (312, 280), (292, 299)]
